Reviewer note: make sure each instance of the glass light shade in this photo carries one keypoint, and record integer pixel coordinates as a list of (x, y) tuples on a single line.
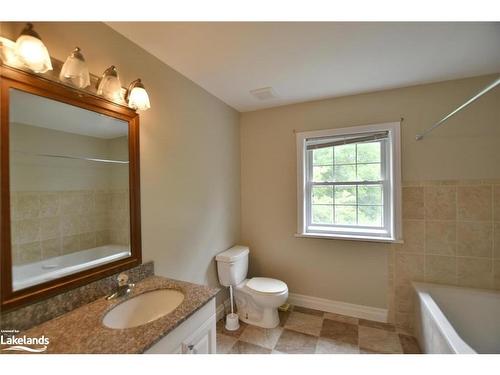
[(32, 52), (138, 97), (75, 71), (8, 53), (110, 86)]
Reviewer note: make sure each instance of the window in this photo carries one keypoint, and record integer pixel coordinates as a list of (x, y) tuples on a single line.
[(349, 182)]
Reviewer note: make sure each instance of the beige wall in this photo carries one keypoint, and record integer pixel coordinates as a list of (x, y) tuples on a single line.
[(118, 150), (356, 272), (190, 174), (30, 172)]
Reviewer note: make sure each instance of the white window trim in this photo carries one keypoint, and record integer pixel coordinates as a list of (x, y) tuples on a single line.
[(394, 129)]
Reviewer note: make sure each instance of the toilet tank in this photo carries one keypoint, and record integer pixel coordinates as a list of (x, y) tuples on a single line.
[(232, 265)]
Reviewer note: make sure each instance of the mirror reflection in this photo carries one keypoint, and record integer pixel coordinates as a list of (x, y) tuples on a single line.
[(69, 183)]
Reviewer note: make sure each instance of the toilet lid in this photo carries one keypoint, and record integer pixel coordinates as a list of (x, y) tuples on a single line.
[(266, 285)]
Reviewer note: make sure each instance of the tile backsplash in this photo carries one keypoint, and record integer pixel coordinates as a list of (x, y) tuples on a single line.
[(451, 232), (46, 224)]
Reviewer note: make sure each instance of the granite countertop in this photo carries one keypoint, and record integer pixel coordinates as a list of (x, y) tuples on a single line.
[(82, 330)]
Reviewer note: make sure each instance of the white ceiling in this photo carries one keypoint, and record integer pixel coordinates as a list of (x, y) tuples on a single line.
[(307, 61), (42, 112)]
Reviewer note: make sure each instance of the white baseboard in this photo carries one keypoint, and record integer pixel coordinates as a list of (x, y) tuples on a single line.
[(338, 307)]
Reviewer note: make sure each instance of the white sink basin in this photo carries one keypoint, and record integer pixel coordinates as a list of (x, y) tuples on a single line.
[(143, 308)]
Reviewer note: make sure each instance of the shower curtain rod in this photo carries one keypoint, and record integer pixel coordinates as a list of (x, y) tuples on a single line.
[(491, 86), (73, 157)]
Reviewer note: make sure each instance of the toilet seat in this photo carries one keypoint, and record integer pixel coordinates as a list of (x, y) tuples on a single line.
[(266, 285)]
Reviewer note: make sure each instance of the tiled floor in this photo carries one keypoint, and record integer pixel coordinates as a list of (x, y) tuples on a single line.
[(307, 331)]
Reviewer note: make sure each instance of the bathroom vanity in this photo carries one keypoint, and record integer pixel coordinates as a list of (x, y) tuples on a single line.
[(197, 335), (188, 328)]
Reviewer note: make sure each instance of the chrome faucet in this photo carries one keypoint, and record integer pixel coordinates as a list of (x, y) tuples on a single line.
[(124, 287)]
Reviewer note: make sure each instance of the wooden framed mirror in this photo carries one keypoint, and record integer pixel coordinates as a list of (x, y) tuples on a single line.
[(70, 188)]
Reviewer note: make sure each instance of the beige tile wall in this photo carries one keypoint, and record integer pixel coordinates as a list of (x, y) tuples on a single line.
[(48, 224), (451, 233)]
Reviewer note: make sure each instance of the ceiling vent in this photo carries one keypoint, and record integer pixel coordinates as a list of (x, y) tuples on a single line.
[(264, 93)]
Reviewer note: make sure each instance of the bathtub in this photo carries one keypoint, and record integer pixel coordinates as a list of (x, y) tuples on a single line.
[(38, 272), (450, 319)]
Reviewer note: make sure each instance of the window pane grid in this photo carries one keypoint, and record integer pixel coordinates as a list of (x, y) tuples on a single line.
[(339, 164), (357, 175), (340, 205), (335, 186), (359, 183), (347, 172), (346, 163), (347, 205)]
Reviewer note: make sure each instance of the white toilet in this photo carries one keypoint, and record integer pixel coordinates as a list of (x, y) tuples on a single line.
[(257, 299)]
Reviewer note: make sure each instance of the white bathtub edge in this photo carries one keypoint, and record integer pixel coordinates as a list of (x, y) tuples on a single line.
[(453, 339)]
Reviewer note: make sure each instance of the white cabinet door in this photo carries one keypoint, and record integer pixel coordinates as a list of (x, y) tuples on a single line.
[(202, 346), (196, 335), (203, 341)]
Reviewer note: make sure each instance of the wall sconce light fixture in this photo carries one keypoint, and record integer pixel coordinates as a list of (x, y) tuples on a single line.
[(75, 71), (137, 96), (109, 85), (31, 50), (8, 53)]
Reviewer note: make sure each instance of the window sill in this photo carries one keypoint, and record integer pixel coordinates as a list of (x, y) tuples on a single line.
[(347, 237)]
